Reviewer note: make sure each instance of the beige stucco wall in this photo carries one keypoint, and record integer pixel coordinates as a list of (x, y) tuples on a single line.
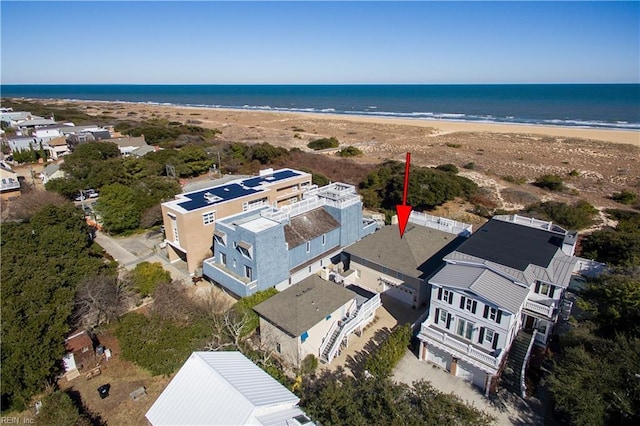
[(292, 350), (369, 278), (196, 238)]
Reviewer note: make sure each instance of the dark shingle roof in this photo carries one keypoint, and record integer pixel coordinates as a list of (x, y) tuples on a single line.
[(417, 254), (300, 307), (512, 245), (307, 226)]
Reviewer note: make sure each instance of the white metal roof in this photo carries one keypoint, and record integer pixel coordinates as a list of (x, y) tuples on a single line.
[(220, 388)]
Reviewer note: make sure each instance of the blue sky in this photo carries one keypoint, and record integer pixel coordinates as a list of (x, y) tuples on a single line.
[(319, 42)]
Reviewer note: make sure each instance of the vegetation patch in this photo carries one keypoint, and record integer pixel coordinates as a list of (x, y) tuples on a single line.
[(390, 352), (324, 143), (625, 197), (579, 216), (516, 180), (350, 151), (550, 182)]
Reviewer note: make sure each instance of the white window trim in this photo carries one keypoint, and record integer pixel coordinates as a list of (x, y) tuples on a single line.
[(209, 218)]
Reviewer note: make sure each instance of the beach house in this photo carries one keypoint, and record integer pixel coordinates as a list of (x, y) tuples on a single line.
[(500, 292), (271, 246), (190, 219)]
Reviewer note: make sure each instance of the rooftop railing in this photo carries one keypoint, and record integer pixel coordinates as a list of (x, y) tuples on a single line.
[(440, 223)]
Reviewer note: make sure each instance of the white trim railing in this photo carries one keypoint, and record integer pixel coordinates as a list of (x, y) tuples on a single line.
[(324, 344), (249, 284), (523, 384), (461, 347), (365, 311), (440, 223), (539, 308)]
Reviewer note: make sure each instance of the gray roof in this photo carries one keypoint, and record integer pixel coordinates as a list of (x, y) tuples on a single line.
[(143, 150), (513, 245), (128, 141), (557, 271), (50, 169), (300, 307), (417, 254), (307, 226), (220, 388), (485, 283)]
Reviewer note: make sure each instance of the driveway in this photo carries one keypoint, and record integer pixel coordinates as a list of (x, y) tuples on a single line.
[(130, 251), (506, 407)]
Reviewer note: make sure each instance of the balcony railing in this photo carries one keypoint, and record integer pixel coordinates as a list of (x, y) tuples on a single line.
[(440, 223), (460, 347), (10, 184), (216, 272), (539, 308)]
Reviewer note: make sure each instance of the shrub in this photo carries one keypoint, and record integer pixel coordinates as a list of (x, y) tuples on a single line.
[(550, 182), (449, 168), (147, 276), (470, 166), (578, 216), (309, 364), (514, 179), (350, 151), (245, 307), (574, 173), (323, 143), (453, 145), (391, 351), (624, 197)]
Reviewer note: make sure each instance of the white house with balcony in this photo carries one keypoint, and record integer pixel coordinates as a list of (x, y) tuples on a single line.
[(315, 317), (507, 280)]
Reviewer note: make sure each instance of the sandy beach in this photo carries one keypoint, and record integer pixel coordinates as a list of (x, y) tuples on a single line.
[(600, 161)]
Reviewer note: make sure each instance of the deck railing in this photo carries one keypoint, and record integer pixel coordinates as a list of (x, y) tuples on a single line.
[(461, 347)]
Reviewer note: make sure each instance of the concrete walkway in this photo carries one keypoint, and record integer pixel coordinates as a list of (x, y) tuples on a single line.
[(128, 252), (506, 407)]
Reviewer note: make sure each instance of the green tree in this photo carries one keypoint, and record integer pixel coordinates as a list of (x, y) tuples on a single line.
[(118, 208), (160, 346), (147, 276), (625, 197), (390, 352), (578, 216), (334, 398), (618, 246), (42, 262), (245, 307)]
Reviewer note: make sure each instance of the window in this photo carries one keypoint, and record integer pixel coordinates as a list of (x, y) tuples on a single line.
[(465, 328), (328, 317), (304, 336), (446, 295), (493, 312), (443, 318), (488, 335), (235, 265), (208, 218), (278, 348), (308, 246), (324, 239), (248, 272), (545, 289), (385, 270), (468, 304), (223, 259), (244, 252)]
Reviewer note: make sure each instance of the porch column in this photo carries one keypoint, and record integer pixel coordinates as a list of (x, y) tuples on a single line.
[(454, 366), (423, 352)]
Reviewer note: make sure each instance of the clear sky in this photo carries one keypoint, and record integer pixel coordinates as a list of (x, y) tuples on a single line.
[(319, 42)]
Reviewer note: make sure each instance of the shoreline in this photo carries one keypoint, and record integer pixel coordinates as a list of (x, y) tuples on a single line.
[(442, 126)]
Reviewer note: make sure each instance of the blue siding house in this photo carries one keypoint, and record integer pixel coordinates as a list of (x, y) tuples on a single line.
[(279, 247)]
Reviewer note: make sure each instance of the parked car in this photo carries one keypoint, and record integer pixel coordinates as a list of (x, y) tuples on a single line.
[(91, 193), (80, 197)]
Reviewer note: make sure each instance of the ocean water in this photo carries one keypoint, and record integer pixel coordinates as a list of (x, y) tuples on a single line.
[(613, 106)]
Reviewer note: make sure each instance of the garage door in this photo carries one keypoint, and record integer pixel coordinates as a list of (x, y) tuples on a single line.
[(400, 293), (439, 358), (471, 374)]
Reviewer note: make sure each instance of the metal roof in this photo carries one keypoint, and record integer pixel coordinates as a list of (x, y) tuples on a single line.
[(417, 254), (300, 307), (485, 283), (220, 388)]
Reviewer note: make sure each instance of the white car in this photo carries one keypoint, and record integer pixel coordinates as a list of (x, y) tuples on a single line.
[(91, 193)]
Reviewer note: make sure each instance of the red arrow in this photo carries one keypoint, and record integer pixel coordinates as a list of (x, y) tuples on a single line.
[(404, 210)]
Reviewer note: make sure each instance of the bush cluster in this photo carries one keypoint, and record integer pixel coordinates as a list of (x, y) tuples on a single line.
[(323, 143), (382, 363)]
